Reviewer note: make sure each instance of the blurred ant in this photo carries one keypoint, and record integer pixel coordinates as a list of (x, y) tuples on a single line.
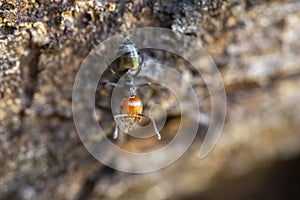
[(131, 110)]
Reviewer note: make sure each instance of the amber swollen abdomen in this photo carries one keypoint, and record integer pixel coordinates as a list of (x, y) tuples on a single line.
[(133, 107)]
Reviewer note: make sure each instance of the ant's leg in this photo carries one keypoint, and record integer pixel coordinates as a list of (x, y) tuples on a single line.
[(114, 72), (107, 83), (116, 131), (150, 84), (135, 72), (121, 116), (154, 126)]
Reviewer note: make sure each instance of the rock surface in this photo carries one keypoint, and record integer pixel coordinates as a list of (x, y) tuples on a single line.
[(255, 45)]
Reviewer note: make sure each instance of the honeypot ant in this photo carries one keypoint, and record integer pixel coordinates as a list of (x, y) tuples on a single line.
[(131, 110)]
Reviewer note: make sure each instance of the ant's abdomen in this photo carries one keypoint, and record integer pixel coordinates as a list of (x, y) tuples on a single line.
[(132, 106)]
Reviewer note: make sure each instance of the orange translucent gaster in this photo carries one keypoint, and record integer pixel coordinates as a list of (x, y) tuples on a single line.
[(133, 107)]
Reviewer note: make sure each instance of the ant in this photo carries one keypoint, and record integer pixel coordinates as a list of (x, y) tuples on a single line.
[(131, 110)]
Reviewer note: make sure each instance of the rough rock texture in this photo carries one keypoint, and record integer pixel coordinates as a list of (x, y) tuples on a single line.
[(255, 44)]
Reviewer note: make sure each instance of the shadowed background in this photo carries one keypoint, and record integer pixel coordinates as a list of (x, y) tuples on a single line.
[(255, 45)]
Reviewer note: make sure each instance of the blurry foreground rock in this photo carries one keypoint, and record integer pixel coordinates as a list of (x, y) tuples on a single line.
[(255, 44)]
